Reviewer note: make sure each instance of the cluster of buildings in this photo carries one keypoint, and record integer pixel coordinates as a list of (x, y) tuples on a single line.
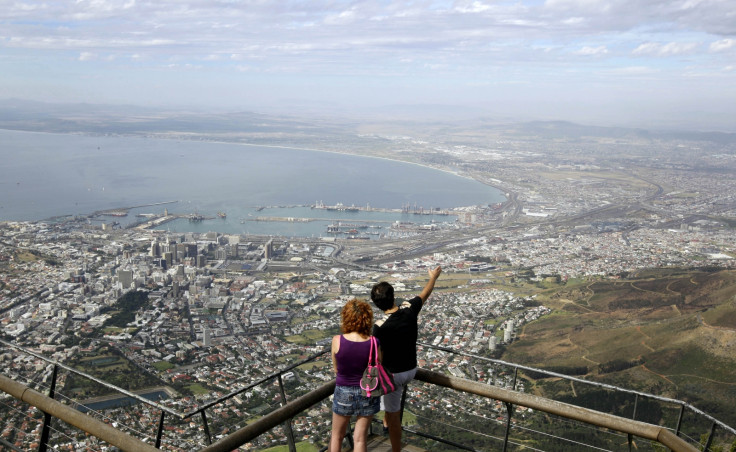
[(599, 253)]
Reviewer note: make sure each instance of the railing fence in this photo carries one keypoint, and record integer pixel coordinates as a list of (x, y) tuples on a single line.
[(512, 415)]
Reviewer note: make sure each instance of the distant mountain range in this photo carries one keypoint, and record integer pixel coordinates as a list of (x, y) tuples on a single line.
[(17, 114)]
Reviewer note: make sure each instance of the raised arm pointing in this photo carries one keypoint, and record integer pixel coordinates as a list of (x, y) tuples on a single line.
[(427, 291)]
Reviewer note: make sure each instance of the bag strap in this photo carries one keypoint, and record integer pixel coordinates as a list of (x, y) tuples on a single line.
[(373, 354)]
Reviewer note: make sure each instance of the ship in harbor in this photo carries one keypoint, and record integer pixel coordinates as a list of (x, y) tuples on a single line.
[(337, 207), (116, 213), (419, 210), (345, 228)]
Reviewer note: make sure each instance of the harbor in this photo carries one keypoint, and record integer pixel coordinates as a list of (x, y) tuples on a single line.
[(123, 211), (406, 209), (297, 220)]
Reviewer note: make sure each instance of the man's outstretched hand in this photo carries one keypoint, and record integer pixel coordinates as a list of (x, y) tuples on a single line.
[(435, 273)]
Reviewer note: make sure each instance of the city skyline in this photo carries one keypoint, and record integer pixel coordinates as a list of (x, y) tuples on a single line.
[(649, 64)]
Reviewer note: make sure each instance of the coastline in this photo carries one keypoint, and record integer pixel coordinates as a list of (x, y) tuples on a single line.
[(274, 146), (171, 141)]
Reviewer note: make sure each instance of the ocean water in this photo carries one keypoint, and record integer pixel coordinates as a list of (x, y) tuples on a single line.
[(47, 175)]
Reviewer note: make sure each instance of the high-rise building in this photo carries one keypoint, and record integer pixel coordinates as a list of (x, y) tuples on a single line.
[(155, 249), (169, 257), (125, 277), (232, 249), (268, 249), (508, 332), (190, 249)]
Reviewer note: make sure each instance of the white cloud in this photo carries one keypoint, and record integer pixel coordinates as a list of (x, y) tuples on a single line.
[(600, 50), (344, 17), (435, 67), (722, 45), (580, 5), (664, 50), (647, 48), (573, 21), (635, 70), (87, 56), (474, 7)]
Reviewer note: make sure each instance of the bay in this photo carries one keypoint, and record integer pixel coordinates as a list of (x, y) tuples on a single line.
[(48, 175)]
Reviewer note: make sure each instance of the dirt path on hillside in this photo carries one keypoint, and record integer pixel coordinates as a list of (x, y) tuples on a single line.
[(568, 301), (659, 375), (585, 357), (707, 379), (667, 288), (706, 324), (592, 293), (646, 336), (632, 284)]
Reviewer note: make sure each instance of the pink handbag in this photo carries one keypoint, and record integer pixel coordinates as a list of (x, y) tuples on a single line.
[(376, 380)]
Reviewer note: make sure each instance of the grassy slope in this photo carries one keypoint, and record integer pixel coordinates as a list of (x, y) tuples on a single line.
[(681, 324)]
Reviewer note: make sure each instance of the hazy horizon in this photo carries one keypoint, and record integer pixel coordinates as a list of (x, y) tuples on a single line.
[(659, 64)]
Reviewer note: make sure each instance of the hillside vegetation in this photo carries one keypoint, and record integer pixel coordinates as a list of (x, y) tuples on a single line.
[(670, 332)]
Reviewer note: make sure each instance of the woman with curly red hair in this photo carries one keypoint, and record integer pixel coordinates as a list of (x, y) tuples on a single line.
[(350, 352)]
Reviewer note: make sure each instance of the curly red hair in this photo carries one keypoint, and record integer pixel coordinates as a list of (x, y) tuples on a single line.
[(357, 315)]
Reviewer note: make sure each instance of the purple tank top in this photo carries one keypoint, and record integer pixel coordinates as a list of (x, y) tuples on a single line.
[(352, 359)]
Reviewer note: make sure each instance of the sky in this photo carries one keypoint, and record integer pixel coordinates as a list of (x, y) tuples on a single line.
[(648, 63)]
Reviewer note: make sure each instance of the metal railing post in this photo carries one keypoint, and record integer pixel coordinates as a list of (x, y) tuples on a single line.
[(630, 440), (710, 437), (679, 420), (160, 430), (206, 428), (403, 400), (509, 412), (636, 403), (287, 423), (45, 430)]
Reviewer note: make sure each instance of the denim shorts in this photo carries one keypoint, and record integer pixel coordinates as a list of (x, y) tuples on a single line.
[(348, 401)]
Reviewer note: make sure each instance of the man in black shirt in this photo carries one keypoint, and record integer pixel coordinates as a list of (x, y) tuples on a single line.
[(397, 334)]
